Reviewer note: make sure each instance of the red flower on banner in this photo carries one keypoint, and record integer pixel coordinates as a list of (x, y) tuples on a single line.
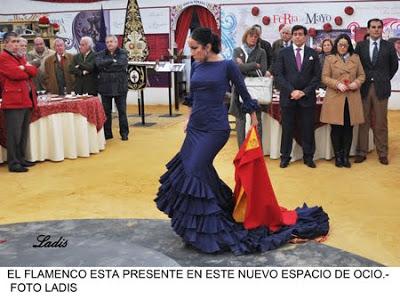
[(44, 20), (349, 10), (312, 32), (266, 20), (56, 27), (255, 11), (338, 21), (327, 27)]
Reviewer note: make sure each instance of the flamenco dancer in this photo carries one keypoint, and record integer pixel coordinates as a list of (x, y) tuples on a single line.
[(198, 202)]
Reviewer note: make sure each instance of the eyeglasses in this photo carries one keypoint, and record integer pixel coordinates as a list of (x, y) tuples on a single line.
[(343, 45)]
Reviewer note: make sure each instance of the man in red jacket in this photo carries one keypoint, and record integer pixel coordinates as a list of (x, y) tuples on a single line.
[(19, 98)]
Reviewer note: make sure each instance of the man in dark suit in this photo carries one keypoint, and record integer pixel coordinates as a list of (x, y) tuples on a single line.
[(380, 63), (297, 71)]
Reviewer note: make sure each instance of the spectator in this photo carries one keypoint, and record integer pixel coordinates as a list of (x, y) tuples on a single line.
[(19, 98), (326, 49), (283, 42), (83, 66), (23, 47), (297, 72), (249, 57), (57, 79), (380, 63), (112, 65), (37, 57), (343, 75), (266, 46)]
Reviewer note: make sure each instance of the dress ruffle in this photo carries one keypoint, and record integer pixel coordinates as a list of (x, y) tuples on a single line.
[(202, 216)]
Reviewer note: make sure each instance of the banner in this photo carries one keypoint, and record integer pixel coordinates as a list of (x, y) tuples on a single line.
[(134, 40)]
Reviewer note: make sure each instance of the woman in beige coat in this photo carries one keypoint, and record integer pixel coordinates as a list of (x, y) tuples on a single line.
[(343, 75)]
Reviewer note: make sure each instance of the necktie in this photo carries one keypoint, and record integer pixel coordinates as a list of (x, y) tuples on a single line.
[(375, 53), (62, 61), (298, 59)]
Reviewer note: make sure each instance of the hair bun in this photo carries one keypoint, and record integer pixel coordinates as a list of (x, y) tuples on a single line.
[(204, 36)]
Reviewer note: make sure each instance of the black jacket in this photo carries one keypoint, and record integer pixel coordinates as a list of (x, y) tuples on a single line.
[(382, 72), (84, 83), (268, 51), (289, 78), (113, 76)]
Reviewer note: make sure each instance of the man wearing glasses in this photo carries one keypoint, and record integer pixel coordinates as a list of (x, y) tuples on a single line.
[(380, 64)]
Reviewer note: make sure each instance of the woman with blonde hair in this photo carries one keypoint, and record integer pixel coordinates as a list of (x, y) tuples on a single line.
[(249, 57)]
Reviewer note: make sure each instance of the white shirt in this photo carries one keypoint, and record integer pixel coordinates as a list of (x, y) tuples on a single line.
[(301, 51), (59, 57), (371, 46)]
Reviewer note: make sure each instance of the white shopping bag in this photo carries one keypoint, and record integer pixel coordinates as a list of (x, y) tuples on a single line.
[(259, 88)]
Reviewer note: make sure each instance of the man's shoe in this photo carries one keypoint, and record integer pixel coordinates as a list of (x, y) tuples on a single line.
[(383, 160), (359, 159), (310, 163), (18, 169), (284, 163), (124, 137), (27, 164), (346, 162), (108, 137)]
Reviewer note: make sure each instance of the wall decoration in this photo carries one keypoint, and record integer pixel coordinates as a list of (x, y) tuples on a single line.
[(349, 10), (327, 27), (266, 20), (255, 11), (229, 26), (338, 20)]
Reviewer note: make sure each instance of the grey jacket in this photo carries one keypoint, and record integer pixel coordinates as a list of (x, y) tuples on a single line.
[(248, 69)]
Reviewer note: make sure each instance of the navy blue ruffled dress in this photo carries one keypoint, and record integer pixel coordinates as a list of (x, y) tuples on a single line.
[(198, 202)]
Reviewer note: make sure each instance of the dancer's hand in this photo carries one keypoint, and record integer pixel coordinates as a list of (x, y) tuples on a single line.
[(254, 121)]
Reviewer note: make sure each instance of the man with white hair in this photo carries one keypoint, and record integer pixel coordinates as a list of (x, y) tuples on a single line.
[(83, 66), (23, 47), (283, 42), (36, 57), (57, 79)]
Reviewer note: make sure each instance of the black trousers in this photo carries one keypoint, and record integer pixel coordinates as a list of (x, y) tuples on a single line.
[(17, 124), (342, 135), (120, 102), (306, 115)]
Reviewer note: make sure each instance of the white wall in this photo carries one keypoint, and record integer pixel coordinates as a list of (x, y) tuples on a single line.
[(156, 18)]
